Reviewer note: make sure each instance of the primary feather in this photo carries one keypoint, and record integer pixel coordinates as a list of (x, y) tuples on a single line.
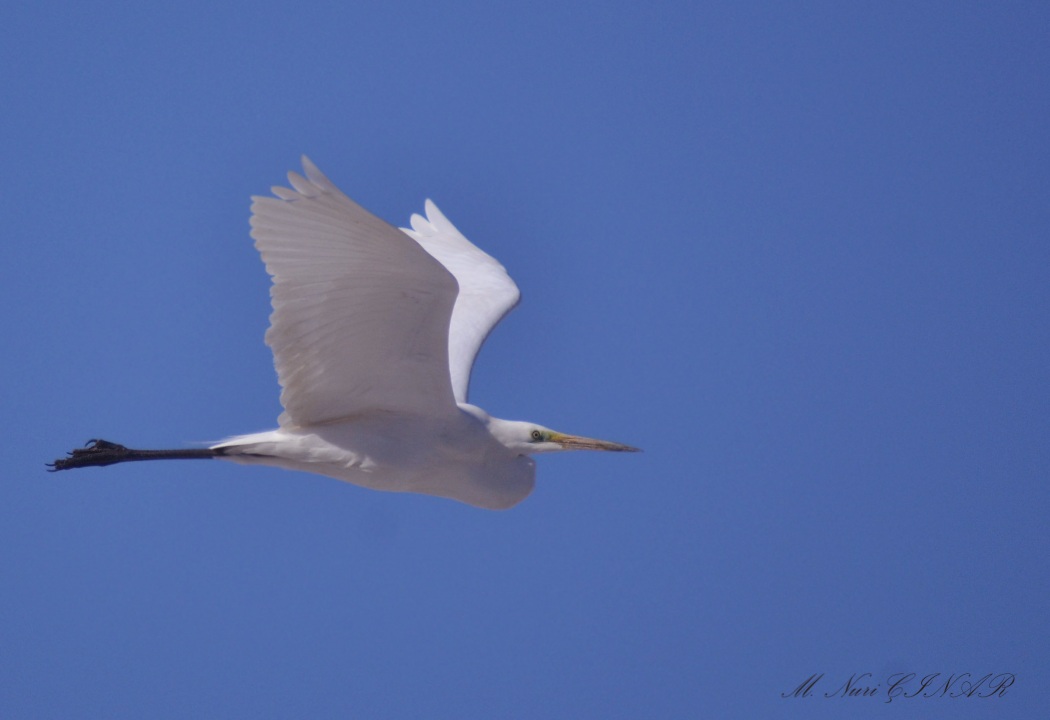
[(360, 312)]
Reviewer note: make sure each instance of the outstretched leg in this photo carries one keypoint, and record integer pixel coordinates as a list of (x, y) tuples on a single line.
[(102, 452)]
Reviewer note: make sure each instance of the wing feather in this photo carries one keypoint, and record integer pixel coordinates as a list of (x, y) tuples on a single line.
[(360, 314), (486, 291)]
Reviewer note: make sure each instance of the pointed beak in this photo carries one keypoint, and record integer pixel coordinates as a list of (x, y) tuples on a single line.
[(575, 442)]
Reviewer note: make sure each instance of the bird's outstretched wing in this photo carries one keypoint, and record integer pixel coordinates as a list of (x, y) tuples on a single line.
[(486, 292), (360, 313)]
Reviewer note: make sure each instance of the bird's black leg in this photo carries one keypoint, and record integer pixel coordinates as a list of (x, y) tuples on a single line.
[(98, 453)]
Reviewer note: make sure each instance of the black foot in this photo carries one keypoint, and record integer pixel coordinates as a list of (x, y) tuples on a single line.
[(95, 453)]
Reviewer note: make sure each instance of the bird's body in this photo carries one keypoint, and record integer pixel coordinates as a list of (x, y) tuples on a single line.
[(455, 456), (374, 333)]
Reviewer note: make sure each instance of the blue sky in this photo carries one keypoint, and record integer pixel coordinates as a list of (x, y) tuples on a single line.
[(797, 253)]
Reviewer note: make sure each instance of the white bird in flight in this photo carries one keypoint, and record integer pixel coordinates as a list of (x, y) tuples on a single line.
[(374, 332)]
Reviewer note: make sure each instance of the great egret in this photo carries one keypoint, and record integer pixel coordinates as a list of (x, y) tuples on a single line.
[(374, 331)]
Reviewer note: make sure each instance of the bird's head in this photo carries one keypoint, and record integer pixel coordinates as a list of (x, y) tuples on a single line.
[(531, 439)]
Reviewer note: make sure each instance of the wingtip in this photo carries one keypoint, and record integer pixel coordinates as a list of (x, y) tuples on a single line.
[(418, 224), (317, 178), (437, 218), (310, 186)]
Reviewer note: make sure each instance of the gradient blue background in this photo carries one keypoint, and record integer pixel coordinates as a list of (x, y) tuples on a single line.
[(798, 254)]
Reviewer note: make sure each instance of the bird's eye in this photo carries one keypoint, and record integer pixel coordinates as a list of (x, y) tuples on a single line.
[(537, 435)]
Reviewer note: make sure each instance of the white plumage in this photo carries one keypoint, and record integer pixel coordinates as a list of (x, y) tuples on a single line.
[(374, 332)]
